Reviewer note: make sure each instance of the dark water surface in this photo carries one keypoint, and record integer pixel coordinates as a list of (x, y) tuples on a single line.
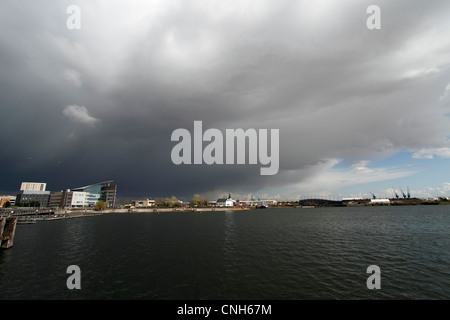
[(320, 253)]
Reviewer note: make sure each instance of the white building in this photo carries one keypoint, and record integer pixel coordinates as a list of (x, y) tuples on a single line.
[(80, 199), (144, 203), (33, 186), (88, 196), (380, 201), (353, 199), (226, 202)]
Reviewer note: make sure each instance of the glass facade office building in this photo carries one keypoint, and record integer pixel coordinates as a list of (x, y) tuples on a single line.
[(89, 195)]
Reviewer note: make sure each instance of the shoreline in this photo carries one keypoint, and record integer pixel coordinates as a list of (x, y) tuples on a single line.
[(158, 210), (223, 209)]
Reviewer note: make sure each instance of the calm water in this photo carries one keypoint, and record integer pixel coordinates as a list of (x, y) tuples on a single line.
[(320, 253)]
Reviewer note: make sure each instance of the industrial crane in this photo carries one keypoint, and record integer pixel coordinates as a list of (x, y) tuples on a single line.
[(396, 194), (404, 195)]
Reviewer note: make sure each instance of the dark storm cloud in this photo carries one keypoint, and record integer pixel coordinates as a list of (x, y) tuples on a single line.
[(79, 106)]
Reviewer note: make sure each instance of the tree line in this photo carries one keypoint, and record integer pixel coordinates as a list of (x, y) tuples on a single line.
[(172, 202), (26, 204)]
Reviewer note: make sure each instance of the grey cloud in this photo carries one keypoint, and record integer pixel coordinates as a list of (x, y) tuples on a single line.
[(79, 114)]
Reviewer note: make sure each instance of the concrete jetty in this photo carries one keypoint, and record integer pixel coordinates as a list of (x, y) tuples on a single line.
[(7, 231)]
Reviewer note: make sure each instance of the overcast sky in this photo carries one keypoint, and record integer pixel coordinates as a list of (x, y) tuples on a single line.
[(358, 110)]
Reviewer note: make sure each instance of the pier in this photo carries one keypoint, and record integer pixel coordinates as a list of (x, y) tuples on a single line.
[(28, 212), (11, 218), (7, 231)]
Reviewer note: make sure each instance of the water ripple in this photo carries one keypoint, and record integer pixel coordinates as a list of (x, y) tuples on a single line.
[(263, 254)]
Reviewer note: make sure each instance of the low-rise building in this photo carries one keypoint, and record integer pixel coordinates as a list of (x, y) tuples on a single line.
[(228, 202), (27, 196), (5, 199), (143, 203), (380, 201)]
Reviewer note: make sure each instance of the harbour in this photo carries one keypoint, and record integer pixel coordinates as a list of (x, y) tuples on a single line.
[(9, 220), (285, 253)]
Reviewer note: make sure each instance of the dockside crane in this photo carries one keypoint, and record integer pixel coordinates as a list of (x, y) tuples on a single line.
[(407, 192), (373, 194), (396, 194), (404, 195)]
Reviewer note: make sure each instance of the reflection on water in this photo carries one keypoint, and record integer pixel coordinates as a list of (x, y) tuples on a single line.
[(77, 237), (229, 233), (230, 259)]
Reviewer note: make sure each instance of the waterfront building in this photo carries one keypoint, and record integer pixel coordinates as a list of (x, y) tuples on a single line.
[(229, 202), (5, 199), (25, 196), (58, 198), (353, 199), (143, 203), (88, 196), (33, 186), (108, 194), (380, 201), (80, 199), (33, 192)]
